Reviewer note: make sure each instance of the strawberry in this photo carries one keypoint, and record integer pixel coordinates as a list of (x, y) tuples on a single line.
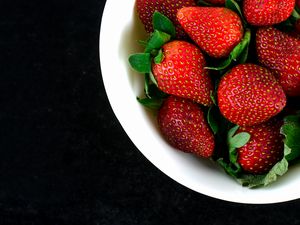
[(146, 8), (183, 124), (264, 149), (216, 2), (216, 30), (181, 72), (280, 52), (250, 94), (267, 12)]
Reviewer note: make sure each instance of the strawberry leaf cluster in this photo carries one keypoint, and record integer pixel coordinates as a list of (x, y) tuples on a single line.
[(205, 106)]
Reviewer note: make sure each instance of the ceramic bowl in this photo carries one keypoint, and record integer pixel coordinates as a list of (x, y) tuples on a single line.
[(119, 33)]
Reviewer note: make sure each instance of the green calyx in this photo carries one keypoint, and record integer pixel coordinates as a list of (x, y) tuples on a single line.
[(234, 141), (291, 154), (162, 23), (141, 62), (164, 31)]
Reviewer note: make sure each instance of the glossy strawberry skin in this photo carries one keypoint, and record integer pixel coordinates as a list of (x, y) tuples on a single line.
[(267, 12), (183, 125), (280, 52), (169, 8), (264, 149), (182, 72), (250, 94), (216, 30)]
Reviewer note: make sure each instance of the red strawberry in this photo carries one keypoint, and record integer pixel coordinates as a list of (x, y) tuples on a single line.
[(280, 52), (264, 149), (216, 2), (169, 8), (217, 30), (182, 73), (267, 12), (249, 94), (183, 124)]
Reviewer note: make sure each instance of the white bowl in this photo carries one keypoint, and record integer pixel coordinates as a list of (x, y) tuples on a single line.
[(120, 30)]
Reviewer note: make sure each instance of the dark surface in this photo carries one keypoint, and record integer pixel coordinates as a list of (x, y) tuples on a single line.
[(64, 157)]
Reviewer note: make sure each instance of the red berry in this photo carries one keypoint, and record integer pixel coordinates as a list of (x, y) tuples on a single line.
[(264, 149), (169, 8), (280, 52), (182, 72), (249, 94), (183, 124), (216, 30), (267, 12)]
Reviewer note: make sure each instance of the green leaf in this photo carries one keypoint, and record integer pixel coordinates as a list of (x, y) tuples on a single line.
[(211, 119), (243, 57), (157, 39), (291, 131), (147, 84), (163, 23), (240, 50), (239, 140), (152, 78), (232, 131), (295, 14), (213, 97), (230, 168), (253, 181), (159, 57), (141, 62), (234, 141), (151, 103), (154, 96)]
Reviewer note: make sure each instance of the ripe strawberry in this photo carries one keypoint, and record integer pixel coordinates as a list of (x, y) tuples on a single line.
[(183, 124), (267, 12), (216, 30), (146, 8), (264, 149), (182, 73), (216, 2), (249, 94), (280, 52)]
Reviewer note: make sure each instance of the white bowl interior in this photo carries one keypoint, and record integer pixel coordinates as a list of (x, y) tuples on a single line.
[(120, 30)]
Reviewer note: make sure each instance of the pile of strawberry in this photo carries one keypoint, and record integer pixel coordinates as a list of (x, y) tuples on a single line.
[(224, 79)]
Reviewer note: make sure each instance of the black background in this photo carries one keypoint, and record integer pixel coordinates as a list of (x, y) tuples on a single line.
[(64, 156)]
